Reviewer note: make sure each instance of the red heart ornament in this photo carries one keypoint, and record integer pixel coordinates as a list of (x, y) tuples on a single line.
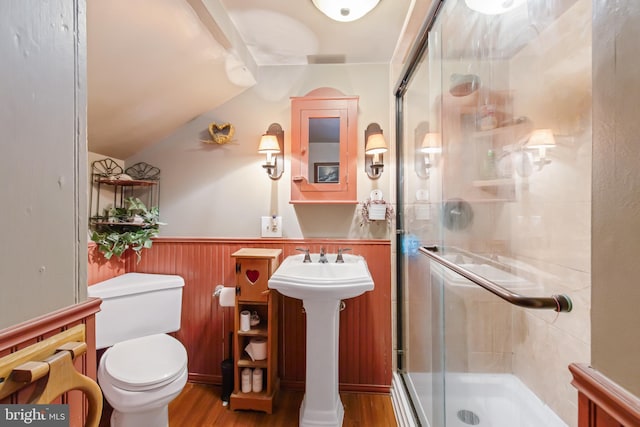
[(253, 276)]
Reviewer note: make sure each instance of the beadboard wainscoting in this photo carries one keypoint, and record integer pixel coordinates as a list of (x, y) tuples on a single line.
[(602, 402), (25, 334), (365, 324)]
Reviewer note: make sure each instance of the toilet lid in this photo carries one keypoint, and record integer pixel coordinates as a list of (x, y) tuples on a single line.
[(146, 362)]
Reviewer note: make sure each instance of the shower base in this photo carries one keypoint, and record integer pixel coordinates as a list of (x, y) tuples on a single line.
[(482, 400)]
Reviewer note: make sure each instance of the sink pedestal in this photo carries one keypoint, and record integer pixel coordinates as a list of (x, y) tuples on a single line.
[(321, 287), (321, 405)]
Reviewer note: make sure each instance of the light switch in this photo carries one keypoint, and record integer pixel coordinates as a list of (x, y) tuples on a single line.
[(271, 226)]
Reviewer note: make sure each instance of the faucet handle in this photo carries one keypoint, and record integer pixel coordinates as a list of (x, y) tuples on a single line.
[(339, 259), (307, 258)]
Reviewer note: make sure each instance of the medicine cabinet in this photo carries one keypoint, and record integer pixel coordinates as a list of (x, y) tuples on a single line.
[(324, 134)]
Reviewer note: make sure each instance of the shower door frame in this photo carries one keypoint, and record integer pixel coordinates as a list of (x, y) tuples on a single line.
[(415, 56)]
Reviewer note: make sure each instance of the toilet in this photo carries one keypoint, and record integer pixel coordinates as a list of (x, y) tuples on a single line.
[(143, 368)]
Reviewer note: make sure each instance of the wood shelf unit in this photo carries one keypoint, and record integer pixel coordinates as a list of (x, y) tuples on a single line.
[(254, 267)]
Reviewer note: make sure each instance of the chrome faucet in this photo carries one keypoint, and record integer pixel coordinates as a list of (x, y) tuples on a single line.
[(323, 258), (307, 258), (339, 259)]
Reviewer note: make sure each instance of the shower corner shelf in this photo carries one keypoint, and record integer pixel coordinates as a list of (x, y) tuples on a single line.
[(501, 189), (492, 183), (507, 130)]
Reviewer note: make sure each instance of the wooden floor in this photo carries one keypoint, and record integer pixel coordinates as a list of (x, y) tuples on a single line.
[(199, 405)]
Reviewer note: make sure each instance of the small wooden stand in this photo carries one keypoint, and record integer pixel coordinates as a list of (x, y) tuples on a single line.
[(254, 267)]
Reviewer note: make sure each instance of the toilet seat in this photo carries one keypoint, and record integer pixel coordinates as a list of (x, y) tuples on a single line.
[(145, 363)]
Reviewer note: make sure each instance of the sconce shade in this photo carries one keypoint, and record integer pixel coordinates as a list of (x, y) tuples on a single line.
[(345, 10), (269, 144), (541, 138), (376, 144), (431, 143)]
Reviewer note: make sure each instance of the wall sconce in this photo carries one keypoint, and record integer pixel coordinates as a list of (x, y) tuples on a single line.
[(375, 145), (271, 144), (541, 139), (431, 144)]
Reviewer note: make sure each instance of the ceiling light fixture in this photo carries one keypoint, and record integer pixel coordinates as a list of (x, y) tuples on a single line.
[(346, 10), (494, 7)]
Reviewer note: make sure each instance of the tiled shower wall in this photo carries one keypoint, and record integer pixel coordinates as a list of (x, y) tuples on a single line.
[(551, 220)]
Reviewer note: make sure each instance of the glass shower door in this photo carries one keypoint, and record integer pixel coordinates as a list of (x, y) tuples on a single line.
[(496, 171)]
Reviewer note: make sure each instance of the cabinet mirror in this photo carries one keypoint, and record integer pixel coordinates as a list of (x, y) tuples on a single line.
[(324, 147)]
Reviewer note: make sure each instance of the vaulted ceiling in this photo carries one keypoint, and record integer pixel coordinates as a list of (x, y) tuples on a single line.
[(153, 65)]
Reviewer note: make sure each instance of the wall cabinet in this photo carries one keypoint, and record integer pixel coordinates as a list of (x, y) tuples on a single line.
[(324, 149), (259, 364)]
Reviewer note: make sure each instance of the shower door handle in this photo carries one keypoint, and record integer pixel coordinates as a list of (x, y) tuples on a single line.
[(559, 303)]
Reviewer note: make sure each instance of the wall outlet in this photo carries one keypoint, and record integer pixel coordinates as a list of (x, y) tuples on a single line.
[(271, 226)]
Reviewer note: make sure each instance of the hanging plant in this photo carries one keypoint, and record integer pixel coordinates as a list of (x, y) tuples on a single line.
[(131, 227)]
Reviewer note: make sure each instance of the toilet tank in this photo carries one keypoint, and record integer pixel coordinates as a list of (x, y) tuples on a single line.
[(136, 305)]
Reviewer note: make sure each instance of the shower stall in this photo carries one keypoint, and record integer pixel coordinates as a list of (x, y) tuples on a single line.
[(493, 119)]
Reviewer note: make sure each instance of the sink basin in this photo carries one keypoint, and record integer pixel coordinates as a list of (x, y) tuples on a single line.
[(321, 287), (300, 280)]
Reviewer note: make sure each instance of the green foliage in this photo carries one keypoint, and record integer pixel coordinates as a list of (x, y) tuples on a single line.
[(131, 227)]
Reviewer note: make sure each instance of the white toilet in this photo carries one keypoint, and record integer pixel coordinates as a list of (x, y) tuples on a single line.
[(144, 369)]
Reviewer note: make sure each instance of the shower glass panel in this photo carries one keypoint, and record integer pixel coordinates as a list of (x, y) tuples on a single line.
[(476, 384), (496, 171)]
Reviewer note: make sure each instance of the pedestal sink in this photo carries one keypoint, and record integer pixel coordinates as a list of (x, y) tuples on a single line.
[(321, 287)]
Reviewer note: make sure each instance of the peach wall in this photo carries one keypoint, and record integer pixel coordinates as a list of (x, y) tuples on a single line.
[(616, 180), (221, 191)]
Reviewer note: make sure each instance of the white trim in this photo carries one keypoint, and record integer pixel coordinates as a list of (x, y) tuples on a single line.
[(401, 406)]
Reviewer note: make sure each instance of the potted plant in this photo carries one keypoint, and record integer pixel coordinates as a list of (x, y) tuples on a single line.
[(130, 227)]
